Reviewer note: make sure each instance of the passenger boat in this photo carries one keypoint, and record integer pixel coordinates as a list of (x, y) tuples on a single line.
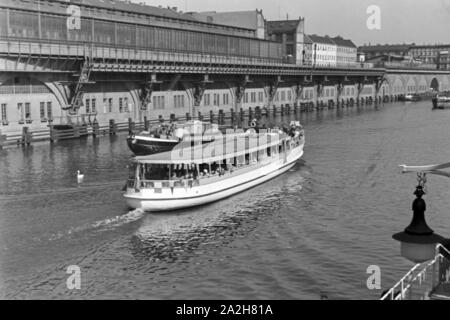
[(166, 136), (441, 101), (192, 176)]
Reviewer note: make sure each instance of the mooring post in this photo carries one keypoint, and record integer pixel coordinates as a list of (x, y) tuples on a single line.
[(95, 129), (130, 126), (112, 127), (2, 140), (221, 120), (146, 123)]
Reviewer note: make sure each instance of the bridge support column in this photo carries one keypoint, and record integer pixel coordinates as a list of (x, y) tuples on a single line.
[(239, 92), (198, 92)]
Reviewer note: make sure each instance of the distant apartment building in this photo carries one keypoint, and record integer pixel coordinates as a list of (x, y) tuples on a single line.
[(324, 51), (346, 51), (251, 20), (307, 50)]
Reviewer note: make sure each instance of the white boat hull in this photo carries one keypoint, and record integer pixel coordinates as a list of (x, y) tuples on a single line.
[(180, 198)]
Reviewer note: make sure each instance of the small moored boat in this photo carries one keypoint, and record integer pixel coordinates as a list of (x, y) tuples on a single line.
[(193, 176), (165, 137), (441, 101)]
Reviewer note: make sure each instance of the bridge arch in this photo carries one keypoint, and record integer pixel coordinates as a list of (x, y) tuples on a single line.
[(434, 84)]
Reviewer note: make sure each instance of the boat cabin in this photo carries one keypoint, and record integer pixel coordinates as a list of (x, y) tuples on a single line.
[(202, 164)]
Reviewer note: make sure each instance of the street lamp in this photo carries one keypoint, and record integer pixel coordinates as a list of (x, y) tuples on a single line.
[(418, 241)]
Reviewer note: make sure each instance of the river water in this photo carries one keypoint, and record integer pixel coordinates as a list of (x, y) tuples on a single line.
[(307, 234)]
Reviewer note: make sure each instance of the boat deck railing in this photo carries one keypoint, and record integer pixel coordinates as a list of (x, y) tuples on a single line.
[(201, 179), (424, 281)]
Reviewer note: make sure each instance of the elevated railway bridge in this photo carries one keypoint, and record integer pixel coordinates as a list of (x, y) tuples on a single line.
[(54, 81)]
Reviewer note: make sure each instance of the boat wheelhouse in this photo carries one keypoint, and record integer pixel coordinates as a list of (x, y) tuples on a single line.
[(193, 176)]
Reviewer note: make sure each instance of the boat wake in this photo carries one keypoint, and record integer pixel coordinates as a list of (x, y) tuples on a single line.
[(102, 225)]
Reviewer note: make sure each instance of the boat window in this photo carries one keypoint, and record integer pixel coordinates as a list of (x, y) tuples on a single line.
[(154, 172), (241, 161), (132, 171), (254, 157), (247, 159), (269, 152)]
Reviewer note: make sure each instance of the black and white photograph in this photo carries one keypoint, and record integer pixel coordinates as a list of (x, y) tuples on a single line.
[(246, 151)]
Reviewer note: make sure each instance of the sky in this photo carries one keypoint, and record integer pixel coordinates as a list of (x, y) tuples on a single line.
[(402, 21)]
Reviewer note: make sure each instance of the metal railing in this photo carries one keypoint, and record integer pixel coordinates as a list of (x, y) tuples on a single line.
[(419, 285)]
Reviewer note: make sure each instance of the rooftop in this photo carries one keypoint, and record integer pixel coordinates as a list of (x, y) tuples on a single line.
[(282, 26), (343, 42), (140, 8), (320, 39), (240, 19)]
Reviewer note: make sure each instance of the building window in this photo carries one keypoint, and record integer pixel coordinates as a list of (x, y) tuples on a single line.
[(27, 112), (158, 103), (182, 101), (246, 98), (110, 105), (49, 111), (42, 112), (207, 100), (216, 100), (289, 94), (253, 97), (21, 113), (260, 97), (4, 115), (283, 96), (94, 107), (88, 108), (127, 107), (179, 101), (225, 99), (121, 104)]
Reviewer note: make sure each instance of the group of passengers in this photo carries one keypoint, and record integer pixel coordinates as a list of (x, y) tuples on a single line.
[(164, 131)]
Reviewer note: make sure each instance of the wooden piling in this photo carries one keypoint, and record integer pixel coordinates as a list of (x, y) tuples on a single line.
[(112, 127), (2, 140), (146, 124), (95, 129), (130, 126), (221, 117)]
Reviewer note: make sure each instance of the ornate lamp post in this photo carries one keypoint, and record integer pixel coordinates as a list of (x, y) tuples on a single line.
[(418, 240)]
